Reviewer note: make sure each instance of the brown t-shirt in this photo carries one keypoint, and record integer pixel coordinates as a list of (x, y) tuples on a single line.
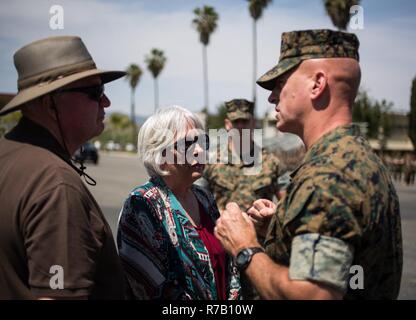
[(51, 228)]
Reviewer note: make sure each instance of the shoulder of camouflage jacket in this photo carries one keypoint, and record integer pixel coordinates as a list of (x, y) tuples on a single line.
[(341, 182)]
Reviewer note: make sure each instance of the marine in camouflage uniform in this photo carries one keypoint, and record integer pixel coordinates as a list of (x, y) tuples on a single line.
[(340, 209), (228, 181), (334, 195)]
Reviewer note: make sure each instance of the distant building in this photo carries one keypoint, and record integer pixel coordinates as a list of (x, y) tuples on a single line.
[(398, 139)]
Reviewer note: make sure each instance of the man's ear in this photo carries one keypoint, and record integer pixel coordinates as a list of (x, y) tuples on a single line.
[(320, 82), (228, 124)]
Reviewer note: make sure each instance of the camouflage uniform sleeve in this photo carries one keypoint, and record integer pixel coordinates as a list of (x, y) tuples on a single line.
[(274, 163), (276, 174), (320, 258), (324, 229)]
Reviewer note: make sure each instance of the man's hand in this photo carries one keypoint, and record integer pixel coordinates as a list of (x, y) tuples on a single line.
[(261, 213), (235, 230)]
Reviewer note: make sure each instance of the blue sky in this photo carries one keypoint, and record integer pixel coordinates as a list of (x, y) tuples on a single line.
[(118, 33)]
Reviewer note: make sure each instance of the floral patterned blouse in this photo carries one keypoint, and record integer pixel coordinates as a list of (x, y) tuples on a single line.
[(162, 253)]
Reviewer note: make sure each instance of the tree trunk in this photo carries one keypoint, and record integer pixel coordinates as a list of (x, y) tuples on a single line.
[(205, 71), (133, 117), (254, 64), (132, 109), (156, 95), (412, 114)]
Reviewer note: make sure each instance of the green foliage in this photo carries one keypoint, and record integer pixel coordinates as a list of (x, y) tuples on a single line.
[(205, 22), (339, 11), (118, 129), (374, 113), (119, 121), (155, 61), (134, 73), (412, 113), (256, 7), (385, 120), (216, 121), (7, 122)]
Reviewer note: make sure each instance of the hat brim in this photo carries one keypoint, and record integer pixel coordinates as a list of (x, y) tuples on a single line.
[(31, 93), (239, 117), (268, 80)]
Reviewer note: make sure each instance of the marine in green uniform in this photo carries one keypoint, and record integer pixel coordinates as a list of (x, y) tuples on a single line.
[(341, 208), (229, 178), (243, 172)]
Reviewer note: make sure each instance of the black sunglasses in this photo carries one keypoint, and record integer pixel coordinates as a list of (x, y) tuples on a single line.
[(95, 93), (203, 141)]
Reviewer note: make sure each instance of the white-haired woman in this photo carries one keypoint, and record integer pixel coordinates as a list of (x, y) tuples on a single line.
[(165, 235)]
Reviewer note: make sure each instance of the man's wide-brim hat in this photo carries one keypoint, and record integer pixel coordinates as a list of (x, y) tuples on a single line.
[(46, 65), (297, 46)]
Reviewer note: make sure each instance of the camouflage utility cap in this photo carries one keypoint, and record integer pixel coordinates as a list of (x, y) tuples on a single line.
[(297, 46), (239, 109)]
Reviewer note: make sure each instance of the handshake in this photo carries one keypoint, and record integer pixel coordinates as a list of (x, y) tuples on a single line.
[(236, 229), (260, 214)]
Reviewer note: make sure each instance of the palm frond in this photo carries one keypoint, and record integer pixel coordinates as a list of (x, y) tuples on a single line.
[(205, 22), (256, 7), (339, 11), (134, 73), (155, 61)]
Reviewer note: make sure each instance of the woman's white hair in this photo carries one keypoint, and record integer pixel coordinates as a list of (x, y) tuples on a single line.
[(160, 131)]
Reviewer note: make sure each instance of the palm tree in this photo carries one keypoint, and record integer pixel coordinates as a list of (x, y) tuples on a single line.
[(339, 11), (134, 73), (205, 23), (256, 8), (155, 63)]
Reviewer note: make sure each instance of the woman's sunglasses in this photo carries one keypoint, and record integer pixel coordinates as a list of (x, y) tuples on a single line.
[(185, 143), (95, 93)]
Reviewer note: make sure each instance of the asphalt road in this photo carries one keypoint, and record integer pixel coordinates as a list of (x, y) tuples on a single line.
[(118, 174)]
